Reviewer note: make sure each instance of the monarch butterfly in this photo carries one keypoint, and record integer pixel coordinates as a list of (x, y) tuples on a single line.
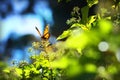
[(45, 45), (46, 33)]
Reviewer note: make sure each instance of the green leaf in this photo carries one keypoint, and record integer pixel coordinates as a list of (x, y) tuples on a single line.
[(18, 71), (84, 12), (105, 26), (7, 70), (91, 68), (65, 34), (61, 63), (90, 21), (27, 73), (77, 41), (82, 26), (92, 2)]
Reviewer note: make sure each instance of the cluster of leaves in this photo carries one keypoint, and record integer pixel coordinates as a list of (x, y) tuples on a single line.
[(90, 51)]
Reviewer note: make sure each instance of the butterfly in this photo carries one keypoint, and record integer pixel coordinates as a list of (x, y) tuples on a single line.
[(46, 34), (45, 45)]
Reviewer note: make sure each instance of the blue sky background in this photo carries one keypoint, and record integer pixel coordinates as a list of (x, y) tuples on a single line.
[(19, 18)]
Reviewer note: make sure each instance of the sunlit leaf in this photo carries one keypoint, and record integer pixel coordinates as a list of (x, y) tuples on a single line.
[(90, 21), (18, 71), (105, 26), (77, 41), (82, 26), (91, 68), (35, 70), (61, 63), (64, 34), (7, 70), (92, 2), (27, 73)]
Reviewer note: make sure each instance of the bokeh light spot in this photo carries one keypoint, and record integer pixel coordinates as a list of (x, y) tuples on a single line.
[(103, 46)]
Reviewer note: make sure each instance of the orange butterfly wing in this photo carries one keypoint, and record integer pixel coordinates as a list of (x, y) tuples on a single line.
[(46, 33)]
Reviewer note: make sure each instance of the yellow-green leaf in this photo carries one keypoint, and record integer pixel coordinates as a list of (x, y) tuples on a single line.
[(64, 34)]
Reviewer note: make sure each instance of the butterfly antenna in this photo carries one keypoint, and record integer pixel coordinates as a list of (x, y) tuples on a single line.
[(38, 31)]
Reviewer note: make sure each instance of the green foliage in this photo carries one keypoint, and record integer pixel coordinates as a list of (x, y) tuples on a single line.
[(92, 2), (90, 51)]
